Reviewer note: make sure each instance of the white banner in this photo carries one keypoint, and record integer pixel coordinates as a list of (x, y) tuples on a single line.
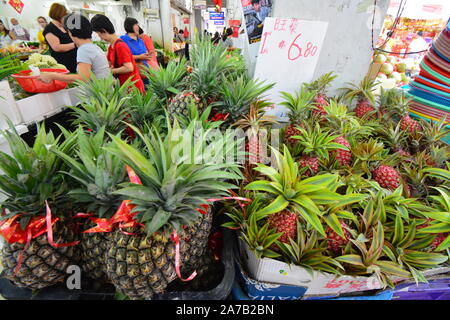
[(288, 56)]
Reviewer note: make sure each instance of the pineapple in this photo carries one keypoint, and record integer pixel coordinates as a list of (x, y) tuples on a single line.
[(284, 222), (210, 67), (141, 261), (372, 159), (299, 106), (335, 241), (409, 125), (30, 177), (320, 86), (364, 94), (395, 139), (98, 174), (104, 103), (255, 121), (237, 95), (343, 157), (290, 195), (387, 177), (315, 144), (166, 82)]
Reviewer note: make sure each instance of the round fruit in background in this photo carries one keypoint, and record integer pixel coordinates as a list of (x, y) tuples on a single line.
[(382, 76), (392, 59), (401, 67), (379, 58), (387, 68), (395, 75), (404, 77)]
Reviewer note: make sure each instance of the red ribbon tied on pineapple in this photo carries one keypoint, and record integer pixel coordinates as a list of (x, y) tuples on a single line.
[(12, 232), (123, 218)]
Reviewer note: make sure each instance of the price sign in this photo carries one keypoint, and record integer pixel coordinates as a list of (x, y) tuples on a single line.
[(288, 56)]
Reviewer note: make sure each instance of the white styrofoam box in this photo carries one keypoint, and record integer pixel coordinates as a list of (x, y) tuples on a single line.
[(39, 106), (73, 95), (8, 108), (318, 283)]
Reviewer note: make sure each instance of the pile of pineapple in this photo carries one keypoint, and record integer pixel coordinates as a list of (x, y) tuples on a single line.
[(115, 172), (354, 191), (349, 192)]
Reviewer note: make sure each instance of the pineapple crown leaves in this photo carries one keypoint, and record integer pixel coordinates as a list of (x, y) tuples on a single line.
[(393, 136), (97, 172), (256, 117), (287, 191), (31, 174), (166, 82), (260, 238), (298, 103), (201, 119), (174, 183), (317, 141), (306, 252), (432, 131), (145, 108), (207, 62), (321, 84), (362, 91), (101, 106), (239, 94)]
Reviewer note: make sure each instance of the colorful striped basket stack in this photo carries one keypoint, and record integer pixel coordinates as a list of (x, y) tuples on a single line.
[(430, 90)]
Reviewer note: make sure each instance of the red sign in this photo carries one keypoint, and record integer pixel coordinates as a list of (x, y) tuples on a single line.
[(17, 5), (235, 25), (186, 20)]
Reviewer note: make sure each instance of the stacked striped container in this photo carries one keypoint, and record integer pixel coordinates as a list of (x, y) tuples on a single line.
[(430, 90)]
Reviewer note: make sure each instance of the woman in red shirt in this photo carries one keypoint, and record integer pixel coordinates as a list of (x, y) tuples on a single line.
[(152, 62), (122, 63)]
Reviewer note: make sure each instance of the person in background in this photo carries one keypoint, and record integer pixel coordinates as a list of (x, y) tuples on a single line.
[(62, 48), (216, 38), (152, 62), (90, 58), (6, 36), (417, 45), (121, 61), (179, 36), (136, 45), (227, 42), (20, 32), (40, 36)]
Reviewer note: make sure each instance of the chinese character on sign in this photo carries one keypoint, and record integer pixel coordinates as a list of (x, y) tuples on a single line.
[(282, 44), (280, 24), (293, 25), (17, 5)]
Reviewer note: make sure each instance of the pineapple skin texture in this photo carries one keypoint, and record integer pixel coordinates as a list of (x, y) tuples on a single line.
[(42, 265), (141, 266)]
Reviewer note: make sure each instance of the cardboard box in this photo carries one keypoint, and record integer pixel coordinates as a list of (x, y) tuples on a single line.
[(318, 283), (257, 290)]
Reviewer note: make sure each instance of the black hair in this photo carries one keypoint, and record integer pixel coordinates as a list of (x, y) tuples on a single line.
[(181, 31), (255, 1), (141, 31), (420, 33), (78, 25), (129, 23), (101, 23), (227, 32)]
